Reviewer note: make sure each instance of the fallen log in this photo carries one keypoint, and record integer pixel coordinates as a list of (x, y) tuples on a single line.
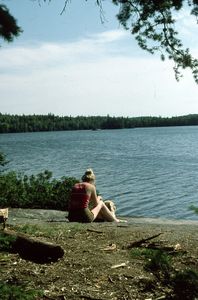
[(33, 249)]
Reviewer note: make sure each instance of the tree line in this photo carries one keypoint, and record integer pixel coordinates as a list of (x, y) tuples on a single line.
[(34, 123)]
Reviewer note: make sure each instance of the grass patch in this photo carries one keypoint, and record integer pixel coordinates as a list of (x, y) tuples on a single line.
[(141, 253), (36, 230), (156, 260), (15, 292), (50, 230)]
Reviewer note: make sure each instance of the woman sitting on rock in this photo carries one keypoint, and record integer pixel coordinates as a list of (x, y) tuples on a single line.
[(84, 194)]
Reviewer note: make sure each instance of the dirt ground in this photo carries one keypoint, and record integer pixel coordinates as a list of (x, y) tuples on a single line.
[(101, 261)]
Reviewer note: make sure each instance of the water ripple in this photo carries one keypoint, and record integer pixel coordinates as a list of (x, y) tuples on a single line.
[(147, 172)]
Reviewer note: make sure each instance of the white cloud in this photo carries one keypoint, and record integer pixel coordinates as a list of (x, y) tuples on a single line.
[(110, 36), (84, 78), (50, 54)]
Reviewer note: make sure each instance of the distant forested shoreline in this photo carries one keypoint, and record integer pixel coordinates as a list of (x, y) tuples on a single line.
[(35, 123)]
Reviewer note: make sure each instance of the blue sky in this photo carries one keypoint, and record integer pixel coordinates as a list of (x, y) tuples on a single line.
[(72, 64)]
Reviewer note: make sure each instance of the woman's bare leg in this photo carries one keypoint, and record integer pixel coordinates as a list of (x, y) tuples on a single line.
[(104, 212), (96, 210), (111, 206)]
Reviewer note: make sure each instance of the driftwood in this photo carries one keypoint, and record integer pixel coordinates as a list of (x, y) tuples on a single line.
[(170, 249), (142, 241), (33, 249)]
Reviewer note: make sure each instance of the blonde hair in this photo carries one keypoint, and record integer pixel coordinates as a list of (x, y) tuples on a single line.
[(88, 176)]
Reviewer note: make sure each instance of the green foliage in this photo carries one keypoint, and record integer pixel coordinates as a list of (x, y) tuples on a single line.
[(185, 285), (8, 25), (3, 161), (139, 252), (6, 242), (156, 260), (33, 123), (153, 25), (35, 191), (194, 208), (17, 292)]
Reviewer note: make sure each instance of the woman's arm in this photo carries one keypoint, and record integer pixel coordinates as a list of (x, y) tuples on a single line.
[(94, 198)]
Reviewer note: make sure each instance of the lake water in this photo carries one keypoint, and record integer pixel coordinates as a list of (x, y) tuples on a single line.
[(149, 172)]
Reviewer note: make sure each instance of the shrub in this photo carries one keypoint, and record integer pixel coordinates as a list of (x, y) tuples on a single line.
[(11, 189), (3, 161), (194, 208), (185, 285), (158, 261), (36, 191)]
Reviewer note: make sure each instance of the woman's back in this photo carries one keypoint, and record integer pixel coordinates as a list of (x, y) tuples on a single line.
[(80, 196)]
